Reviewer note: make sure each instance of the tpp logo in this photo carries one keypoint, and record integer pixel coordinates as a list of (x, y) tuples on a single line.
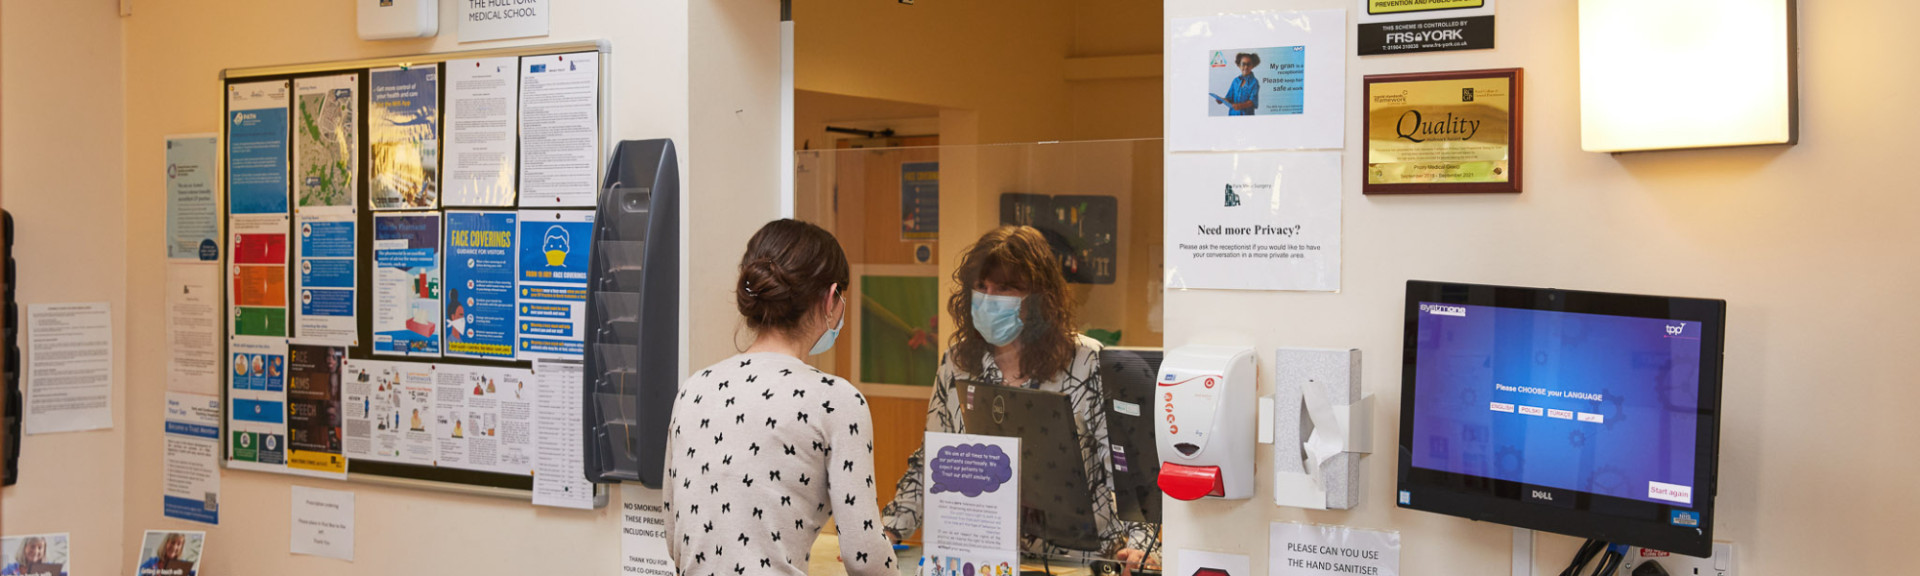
[(1673, 330)]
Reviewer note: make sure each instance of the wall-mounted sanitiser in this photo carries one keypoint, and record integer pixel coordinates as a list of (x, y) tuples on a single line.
[(1205, 404)]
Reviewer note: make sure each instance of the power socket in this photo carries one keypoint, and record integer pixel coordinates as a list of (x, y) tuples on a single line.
[(1721, 564)]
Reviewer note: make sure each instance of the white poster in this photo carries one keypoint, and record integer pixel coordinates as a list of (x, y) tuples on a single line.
[(972, 503), (483, 100), (170, 553), (191, 458), (559, 130), (498, 19), (193, 198), (389, 409), (69, 367), (1319, 550), (482, 418), (1258, 81), (559, 469), (1253, 221), (322, 523), (257, 404), (643, 532), (1203, 563), (193, 327)]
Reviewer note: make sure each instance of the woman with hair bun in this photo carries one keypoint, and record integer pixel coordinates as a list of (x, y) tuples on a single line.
[(1016, 327), (763, 448)]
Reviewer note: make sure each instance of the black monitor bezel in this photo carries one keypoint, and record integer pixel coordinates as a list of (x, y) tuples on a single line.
[(1488, 499)]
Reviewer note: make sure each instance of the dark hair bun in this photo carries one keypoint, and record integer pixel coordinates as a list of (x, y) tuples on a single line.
[(787, 266)]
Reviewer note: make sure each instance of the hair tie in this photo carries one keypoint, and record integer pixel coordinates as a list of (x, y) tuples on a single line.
[(747, 287)]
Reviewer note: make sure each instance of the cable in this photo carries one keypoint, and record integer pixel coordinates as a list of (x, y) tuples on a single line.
[(1610, 562), (1587, 551)]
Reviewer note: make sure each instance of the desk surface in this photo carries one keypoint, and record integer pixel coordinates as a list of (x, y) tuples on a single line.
[(826, 560)]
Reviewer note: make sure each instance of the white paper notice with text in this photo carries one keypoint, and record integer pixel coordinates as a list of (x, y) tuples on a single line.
[(559, 469), (69, 367)]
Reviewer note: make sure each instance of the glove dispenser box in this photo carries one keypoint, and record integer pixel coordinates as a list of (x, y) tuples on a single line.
[(1206, 410)]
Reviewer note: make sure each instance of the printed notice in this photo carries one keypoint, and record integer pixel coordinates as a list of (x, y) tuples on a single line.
[(1317, 550), (559, 477), (191, 458), (480, 277), (973, 500), (69, 367), (559, 129), (257, 148), (193, 208), (258, 297), (403, 134), (323, 523), (324, 278), (257, 405), (193, 327), (552, 288), (483, 418), (483, 101), (313, 409), (406, 284), (1254, 221), (643, 532), (389, 406)]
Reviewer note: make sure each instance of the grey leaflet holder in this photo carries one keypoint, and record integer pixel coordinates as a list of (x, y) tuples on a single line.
[(633, 315)]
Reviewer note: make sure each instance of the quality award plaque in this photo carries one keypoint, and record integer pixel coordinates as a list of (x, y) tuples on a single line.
[(1443, 132)]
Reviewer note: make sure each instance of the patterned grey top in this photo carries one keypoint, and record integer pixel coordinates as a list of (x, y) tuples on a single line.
[(1080, 382), (764, 448)]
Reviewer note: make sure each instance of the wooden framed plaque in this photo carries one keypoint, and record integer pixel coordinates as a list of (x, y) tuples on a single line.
[(1443, 132)]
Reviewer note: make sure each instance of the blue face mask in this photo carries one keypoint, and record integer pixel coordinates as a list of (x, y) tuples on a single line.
[(996, 318), (825, 342)]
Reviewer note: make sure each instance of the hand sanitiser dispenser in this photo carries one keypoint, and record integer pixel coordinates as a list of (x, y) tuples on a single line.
[(1205, 403)]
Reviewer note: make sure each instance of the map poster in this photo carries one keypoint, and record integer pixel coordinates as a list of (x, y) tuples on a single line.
[(326, 140), (553, 282), (406, 284), (480, 273), (324, 279), (257, 394), (389, 411), (257, 148), (403, 130), (313, 408)]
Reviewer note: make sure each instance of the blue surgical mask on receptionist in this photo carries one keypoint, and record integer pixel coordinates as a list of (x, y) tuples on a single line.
[(825, 342), (997, 318)]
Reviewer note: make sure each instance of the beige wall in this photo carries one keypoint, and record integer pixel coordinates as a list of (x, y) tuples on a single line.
[(79, 152), (1811, 246), (64, 155)]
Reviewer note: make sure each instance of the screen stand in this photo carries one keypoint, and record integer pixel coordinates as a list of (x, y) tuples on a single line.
[(1522, 552)]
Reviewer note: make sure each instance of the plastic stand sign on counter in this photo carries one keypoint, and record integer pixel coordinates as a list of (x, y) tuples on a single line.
[(972, 503)]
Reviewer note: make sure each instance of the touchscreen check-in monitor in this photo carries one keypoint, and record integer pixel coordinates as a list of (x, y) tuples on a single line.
[(1583, 413)]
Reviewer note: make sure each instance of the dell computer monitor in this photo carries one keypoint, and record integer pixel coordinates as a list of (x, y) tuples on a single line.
[(1583, 413), (1054, 502), (1127, 376)]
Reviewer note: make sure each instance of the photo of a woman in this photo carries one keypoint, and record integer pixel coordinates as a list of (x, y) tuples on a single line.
[(43, 555), (1243, 94)]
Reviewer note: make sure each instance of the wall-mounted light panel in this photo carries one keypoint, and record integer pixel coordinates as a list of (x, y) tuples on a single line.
[(1669, 74)]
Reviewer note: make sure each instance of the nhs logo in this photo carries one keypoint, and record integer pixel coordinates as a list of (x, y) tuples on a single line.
[(1676, 330), (1444, 310)]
